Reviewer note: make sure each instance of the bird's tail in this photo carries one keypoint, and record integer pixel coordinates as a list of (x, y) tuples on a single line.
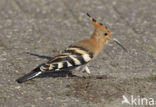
[(36, 72)]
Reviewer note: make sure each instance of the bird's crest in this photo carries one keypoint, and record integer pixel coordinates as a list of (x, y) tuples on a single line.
[(96, 23)]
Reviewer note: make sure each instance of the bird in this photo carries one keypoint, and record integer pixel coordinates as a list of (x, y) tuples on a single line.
[(77, 55)]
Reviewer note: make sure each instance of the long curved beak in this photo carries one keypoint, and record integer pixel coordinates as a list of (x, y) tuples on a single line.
[(117, 42)]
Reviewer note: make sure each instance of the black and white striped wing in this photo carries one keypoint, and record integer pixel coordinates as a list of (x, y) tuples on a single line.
[(71, 58)]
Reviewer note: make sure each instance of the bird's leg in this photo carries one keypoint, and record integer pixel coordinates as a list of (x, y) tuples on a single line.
[(87, 69), (83, 68)]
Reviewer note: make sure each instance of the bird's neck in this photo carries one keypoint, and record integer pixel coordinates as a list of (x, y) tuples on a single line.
[(98, 45)]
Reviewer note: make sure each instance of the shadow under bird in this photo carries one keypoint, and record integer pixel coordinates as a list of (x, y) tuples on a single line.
[(76, 56)]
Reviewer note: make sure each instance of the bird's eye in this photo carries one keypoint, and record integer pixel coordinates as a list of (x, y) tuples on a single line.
[(105, 34)]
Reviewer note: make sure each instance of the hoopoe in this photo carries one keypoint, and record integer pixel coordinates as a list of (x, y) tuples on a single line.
[(77, 55)]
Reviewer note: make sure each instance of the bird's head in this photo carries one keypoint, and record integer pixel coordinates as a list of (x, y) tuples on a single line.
[(101, 33)]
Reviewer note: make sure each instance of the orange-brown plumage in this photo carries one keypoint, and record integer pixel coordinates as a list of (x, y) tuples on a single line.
[(97, 40)]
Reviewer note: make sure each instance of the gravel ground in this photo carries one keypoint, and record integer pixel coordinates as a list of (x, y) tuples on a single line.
[(46, 27)]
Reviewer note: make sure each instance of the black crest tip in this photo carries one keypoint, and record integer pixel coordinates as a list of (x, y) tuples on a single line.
[(88, 15)]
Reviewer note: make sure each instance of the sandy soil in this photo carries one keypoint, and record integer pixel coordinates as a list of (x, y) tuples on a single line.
[(46, 27)]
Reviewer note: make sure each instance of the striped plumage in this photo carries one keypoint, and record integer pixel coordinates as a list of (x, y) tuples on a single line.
[(75, 56), (72, 57)]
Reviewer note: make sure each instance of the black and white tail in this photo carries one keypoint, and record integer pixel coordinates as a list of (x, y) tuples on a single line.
[(36, 72)]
